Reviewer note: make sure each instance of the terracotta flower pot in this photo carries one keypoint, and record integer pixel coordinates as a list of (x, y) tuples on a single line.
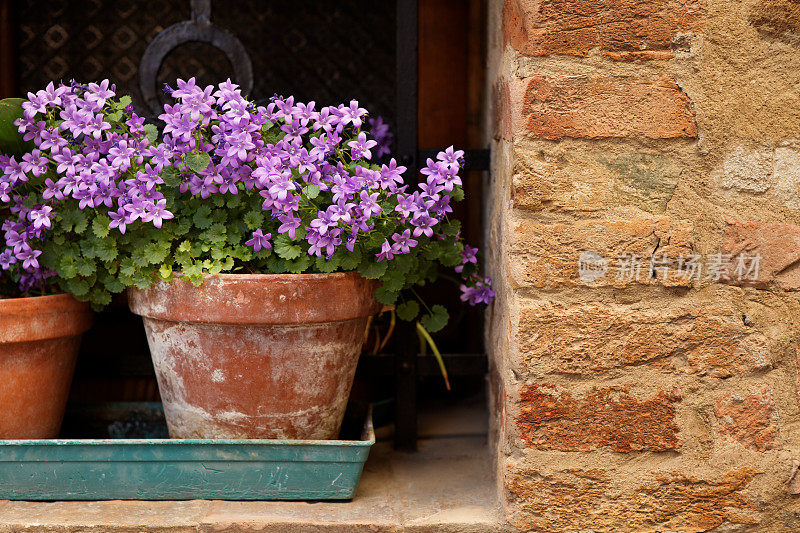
[(256, 356), (39, 341)]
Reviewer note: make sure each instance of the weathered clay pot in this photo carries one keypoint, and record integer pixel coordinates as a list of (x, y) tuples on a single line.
[(256, 355), (39, 341)]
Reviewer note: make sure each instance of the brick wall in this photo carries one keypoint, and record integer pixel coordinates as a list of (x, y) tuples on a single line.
[(658, 130)]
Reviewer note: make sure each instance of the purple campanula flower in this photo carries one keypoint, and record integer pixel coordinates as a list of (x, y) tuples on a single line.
[(450, 156), (7, 258), (41, 217), (157, 213), (259, 240), (352, 114), (99, 93), (386, 252), (403, 242), (361, 148), (118, 219), (28, 256)]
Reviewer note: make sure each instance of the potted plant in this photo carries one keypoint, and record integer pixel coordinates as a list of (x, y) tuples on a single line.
[(256, 242), (40, 328)]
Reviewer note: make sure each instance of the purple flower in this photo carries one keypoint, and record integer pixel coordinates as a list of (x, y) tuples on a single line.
[(157, 213), (118, 219), (99, 93), (259, 241), (450, 157), (28, 256), (352, 114), (360, 148), (480, 292), (41, 217), (386, 252), (423, 225), (369, 204), (403, 242)]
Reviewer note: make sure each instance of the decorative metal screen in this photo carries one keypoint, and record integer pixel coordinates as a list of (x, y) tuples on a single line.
[(327, 51)]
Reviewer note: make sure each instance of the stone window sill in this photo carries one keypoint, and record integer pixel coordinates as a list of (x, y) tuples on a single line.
[(448, 486)]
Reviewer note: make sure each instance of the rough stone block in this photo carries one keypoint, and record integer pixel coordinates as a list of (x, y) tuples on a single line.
[(601, 500), (604, 107), (621, 29), (775, 244), (591, 181), (687, 337), (644, 250), (553, 419)]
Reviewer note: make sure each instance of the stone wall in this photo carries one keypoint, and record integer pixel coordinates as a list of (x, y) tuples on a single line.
[(642, 395)]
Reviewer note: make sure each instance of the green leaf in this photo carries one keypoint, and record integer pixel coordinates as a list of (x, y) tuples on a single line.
[(349, 260), (201, 217), (151, 132), (312, 191), (407, 311), (171, 177), (11, 142), (114, 285), (106, 250), (67, 268), (372, 270), (451, 228), (77, 287), (197, 161), (100, 226), (156, 252), (86, 267), (458, 194), (386, 296), (436, 319), (116, 116), (328, 265), (299, 265), (124, 101), (99, 297), (285, 249), (253, 219), (127, 267)]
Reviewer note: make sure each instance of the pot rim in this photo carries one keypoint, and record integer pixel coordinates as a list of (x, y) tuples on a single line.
[(265, 299), (35, 318), (7, 304)]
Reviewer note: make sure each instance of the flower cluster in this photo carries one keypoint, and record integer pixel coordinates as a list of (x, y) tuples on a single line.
[(228, 186), (90, 151)]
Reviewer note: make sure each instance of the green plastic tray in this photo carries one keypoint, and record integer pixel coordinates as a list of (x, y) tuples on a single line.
[(182, 469)]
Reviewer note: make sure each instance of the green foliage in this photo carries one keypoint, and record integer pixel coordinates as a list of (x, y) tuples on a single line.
[(436, 319), (408, 311), (197, 161)]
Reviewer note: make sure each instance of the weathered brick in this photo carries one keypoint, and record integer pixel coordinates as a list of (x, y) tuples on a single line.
[(591, 182), (604, 107), (750, 420), (621, 29), (552, 419), (597, 500), (548, 255), (777, 246), (689, 337)]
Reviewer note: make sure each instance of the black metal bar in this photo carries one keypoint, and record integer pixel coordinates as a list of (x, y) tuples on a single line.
[(406, 120), (477, 159)]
